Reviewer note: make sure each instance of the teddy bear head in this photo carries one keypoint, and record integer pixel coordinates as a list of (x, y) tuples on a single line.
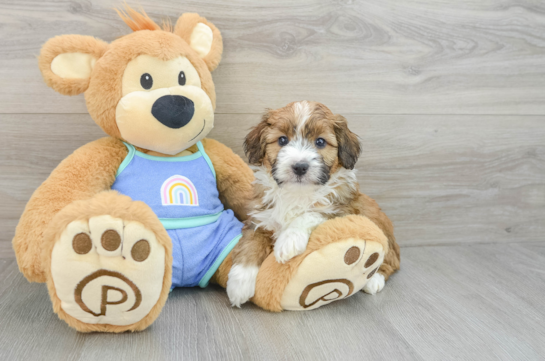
[(152, 88)]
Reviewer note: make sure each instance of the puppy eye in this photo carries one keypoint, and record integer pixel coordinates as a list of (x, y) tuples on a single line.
[(320, 143), (146, 81), (282, 141), (181, 78)]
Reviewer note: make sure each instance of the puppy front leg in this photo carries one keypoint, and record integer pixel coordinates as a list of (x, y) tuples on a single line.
[(293, 240), (248, 255)]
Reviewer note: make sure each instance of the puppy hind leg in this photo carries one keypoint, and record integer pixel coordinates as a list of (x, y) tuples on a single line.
[(247, 257), (367, 207)]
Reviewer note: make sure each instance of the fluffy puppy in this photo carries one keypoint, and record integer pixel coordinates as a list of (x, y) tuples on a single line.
[(303, 157)]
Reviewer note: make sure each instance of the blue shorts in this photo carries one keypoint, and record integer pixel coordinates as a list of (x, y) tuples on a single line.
[(198, 252)]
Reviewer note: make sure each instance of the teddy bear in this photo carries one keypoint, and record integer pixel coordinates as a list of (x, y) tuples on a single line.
[(156, 205)]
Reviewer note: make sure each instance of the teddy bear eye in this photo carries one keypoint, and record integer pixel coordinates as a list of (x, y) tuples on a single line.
[(181, 78), (146, 81), (282, 141)]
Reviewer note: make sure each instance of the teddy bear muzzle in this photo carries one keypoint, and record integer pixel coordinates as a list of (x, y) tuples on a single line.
[(165, 120)]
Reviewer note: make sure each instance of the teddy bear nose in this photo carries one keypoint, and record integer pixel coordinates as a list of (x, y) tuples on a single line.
[(174, 111)]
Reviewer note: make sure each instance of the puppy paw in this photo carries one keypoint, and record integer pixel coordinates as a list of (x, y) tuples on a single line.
[(375, 284), (241, 284), (289, 244)]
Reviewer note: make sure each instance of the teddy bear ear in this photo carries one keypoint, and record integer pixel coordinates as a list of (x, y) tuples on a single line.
[(202, 36), (66, 62)]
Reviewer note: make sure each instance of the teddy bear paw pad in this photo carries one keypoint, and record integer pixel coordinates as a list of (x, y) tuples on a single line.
[(107, 271), (331, 273)]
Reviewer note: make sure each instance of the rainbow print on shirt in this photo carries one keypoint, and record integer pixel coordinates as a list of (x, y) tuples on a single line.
[(179, 191)]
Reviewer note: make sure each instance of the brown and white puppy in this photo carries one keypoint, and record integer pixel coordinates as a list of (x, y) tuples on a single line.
[(304, 158)]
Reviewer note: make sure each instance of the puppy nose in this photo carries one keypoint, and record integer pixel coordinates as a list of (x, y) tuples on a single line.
[(300, 168), (174, 111)]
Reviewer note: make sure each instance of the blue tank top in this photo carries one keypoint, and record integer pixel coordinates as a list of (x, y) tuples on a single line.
[(180, 190)]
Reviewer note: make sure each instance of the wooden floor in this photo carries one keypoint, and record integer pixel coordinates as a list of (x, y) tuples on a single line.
[(448, 98), (468, 302)]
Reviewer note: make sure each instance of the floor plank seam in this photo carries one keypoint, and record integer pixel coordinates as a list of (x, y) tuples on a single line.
[(469, 244)]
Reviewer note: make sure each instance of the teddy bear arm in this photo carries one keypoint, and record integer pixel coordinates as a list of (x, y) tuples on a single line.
[(234, 178), (86, 172)]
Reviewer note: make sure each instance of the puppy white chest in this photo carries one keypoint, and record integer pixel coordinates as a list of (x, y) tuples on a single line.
[(286, 205), (282, 205)]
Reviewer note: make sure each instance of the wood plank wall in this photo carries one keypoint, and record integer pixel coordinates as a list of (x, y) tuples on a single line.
[(447, 96)]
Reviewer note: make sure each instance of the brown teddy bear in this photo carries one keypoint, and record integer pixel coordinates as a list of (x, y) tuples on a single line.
[(155, 205)]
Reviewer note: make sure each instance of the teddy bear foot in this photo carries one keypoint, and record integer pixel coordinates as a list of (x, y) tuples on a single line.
[(343, 256), (334, 272), (108, 273)]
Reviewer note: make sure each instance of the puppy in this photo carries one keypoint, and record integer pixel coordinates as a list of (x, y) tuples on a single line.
[(303, 157)]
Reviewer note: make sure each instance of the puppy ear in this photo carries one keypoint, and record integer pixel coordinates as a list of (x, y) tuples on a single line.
[(255, 144), (202, 36), (66, 62), (349, 147)]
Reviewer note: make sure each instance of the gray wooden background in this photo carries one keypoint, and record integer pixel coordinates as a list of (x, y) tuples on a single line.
[(448, 98)]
